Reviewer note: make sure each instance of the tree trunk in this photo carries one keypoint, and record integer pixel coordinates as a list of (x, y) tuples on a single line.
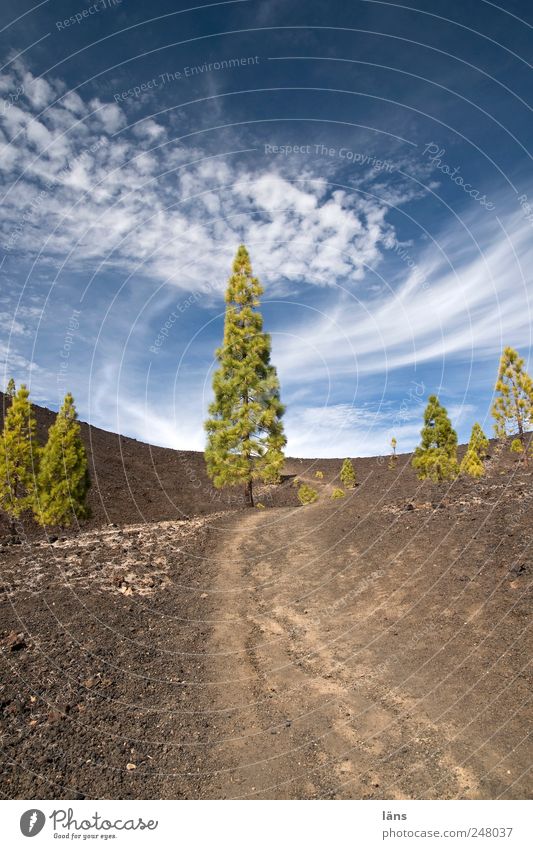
[(523, 440), (250, 492)]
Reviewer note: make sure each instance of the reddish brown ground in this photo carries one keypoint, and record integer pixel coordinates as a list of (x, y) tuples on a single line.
[(374, 646)]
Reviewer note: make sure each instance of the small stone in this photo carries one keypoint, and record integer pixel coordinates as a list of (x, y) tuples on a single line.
[(131, 766), (55, 716), (14, 641)]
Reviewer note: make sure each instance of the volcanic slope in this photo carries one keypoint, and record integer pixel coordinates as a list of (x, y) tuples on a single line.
[(181, 645)]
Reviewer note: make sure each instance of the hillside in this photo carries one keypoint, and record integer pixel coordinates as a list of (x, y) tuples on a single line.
[(180, 645)]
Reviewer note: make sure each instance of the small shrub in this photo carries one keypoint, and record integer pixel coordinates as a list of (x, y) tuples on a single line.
[(296, 482), (307, 495), (472, 462), (319, 474), (516, 446), (338, 493), (347, 475), (260, 506), (393, 459)]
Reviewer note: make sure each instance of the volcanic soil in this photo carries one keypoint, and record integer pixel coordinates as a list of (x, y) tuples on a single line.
[(182, 645)]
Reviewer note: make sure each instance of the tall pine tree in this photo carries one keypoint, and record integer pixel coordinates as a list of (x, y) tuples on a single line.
[(513, 407), (245, 438), (63, 481), (19, 456), (436, 456)]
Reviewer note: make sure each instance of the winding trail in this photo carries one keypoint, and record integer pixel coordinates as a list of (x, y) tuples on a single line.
[(328, 684)]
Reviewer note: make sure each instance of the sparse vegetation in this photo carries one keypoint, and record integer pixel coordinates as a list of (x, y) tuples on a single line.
[(338, 493), (260, 506), (513, 408), (436, 456), (472, 462), (307, 495), (52, 481), (348, 475), (393, 460), (11, 389), (63, 480), (19, 456), (245, 438), (319, 475)]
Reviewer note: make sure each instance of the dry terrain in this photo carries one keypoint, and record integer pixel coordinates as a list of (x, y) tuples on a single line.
[(181, 645)]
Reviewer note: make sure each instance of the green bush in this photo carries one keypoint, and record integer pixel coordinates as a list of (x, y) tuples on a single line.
[(307, 495), (260, 506), (319, 474), (436, 456), (338, 493), (347, 475)]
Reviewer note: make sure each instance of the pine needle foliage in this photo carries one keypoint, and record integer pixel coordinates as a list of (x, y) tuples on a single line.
[(348, 475), (245, 438), (19, 456), (513, 407), (436, 456), (472, 462), (307, 495), (63, 481)]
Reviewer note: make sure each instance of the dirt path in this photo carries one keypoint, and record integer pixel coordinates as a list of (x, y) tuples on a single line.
[(374, 646), (339, 672)]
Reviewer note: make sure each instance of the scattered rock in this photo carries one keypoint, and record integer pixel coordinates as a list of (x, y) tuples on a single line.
[(55, 716), (14, 641)]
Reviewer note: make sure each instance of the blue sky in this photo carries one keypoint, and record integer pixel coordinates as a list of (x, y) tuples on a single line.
[(375, 159)]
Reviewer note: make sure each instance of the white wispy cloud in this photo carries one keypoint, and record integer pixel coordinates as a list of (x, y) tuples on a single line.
[(81, 191), (466, 299)]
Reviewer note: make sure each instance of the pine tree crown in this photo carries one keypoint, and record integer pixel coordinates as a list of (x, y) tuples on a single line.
[(436, 456), (512, 409), (245, 433), (19, 455), (64, 481)]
